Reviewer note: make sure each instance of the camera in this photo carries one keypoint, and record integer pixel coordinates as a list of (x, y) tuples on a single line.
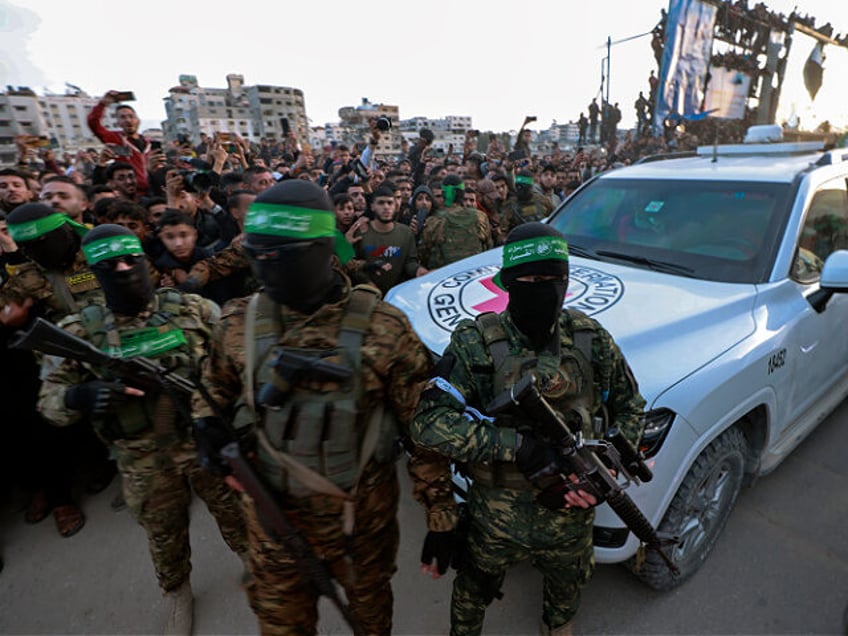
[(197, 181), (383, 123), (124, 96)]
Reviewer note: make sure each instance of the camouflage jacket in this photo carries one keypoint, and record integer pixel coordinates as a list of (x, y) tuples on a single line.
[(196, 317), (55, 295), (395, 365), (221, 264), (440, 422)]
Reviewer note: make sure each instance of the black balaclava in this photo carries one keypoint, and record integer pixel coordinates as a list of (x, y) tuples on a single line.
[(128, 291), (535, 307), (524, 186), (290, 241), (53, 249)]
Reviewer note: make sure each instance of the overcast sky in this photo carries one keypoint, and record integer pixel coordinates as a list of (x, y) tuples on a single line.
[(494, 61)]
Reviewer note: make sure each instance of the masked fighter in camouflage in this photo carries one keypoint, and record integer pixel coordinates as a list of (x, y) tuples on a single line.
[(578, 366), (324, 443), (149, 432)]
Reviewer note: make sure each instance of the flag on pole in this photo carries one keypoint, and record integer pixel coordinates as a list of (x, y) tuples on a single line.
[(814, 70)]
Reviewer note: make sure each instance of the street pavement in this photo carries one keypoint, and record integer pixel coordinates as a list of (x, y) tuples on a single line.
[(780, 567)]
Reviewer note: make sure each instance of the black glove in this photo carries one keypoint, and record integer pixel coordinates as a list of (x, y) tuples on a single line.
[(95, 398), (535, 459), (210, 436), (553, 497), (438, 546)]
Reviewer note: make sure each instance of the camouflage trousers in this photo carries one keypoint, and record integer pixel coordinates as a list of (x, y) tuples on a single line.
[(158, 490), (508, 526), (286, 603)]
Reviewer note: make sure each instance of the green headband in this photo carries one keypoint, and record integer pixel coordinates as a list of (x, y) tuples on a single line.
[(290, 221), (450, 192), (541, 248), (31, 230), (111, 247), (524, 180)]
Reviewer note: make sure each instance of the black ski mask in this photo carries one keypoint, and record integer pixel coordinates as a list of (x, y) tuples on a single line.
[(535, 308), (297, 274), (291, 237), (115, 256), (46, 237), (54, 251), (535, 250)]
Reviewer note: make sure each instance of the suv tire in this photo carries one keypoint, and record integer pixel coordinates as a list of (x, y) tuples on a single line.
[(698, 512)]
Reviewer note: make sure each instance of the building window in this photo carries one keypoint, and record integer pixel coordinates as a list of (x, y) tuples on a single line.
[(266, 100)]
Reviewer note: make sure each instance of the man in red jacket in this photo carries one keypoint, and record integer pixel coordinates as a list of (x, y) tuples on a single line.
[(127, 143)]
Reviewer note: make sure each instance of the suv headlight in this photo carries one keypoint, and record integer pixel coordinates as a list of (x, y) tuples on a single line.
[(657, 425)]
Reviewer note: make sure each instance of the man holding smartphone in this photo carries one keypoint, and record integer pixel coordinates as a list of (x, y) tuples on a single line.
[(127, 143)]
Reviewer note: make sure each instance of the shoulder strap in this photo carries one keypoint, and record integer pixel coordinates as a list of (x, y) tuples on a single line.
[(494, 336), (60, 286), (584, 333), (262, 328), (355, 322)]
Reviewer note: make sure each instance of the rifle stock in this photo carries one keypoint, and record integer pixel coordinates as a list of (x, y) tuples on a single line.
[(279, 528)]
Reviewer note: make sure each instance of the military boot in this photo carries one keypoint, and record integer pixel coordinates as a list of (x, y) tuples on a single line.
[(180, 610)]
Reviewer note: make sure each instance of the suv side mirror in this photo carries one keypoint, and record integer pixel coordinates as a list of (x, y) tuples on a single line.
[(834, 279)]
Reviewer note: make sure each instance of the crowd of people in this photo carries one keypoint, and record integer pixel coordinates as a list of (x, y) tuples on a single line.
[(176, 253)]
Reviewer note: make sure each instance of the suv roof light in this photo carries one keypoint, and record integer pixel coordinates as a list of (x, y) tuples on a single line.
[(785, 148)]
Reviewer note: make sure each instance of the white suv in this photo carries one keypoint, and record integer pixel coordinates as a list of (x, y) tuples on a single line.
[(715, 273)]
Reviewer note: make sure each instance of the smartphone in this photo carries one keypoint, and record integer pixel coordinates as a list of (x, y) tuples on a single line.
[(120, 151), (125, 96), (33, 141), (284, 124), (156, 145), (231, 148), (224, 136)]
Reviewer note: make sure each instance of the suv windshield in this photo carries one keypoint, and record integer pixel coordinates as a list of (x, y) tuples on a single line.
[(713, 230)]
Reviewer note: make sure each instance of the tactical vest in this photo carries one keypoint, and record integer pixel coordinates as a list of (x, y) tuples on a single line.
[(163, 337), (320, 425), (534, 210), (567, 379), (455, 235)]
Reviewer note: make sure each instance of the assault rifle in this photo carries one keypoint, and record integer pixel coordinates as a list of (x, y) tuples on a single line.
[(279, 528), (146, 374), (138, 372), (591, 464)]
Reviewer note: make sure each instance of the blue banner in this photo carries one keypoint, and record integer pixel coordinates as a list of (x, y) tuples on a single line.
[(685, 61)]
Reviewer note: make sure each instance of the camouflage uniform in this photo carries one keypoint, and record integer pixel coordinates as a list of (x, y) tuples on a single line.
[(158, 462), (452, 234), (228, 261), (515, 212), (57, 294), (60, 294), (394, 366), (507, 524)]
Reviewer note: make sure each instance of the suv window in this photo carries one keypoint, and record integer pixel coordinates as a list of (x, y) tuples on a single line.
[(715, 230), (825, 230)]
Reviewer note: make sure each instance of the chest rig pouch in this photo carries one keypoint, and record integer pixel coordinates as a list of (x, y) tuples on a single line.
[(565, 377), (162, 337), (317, 424)]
